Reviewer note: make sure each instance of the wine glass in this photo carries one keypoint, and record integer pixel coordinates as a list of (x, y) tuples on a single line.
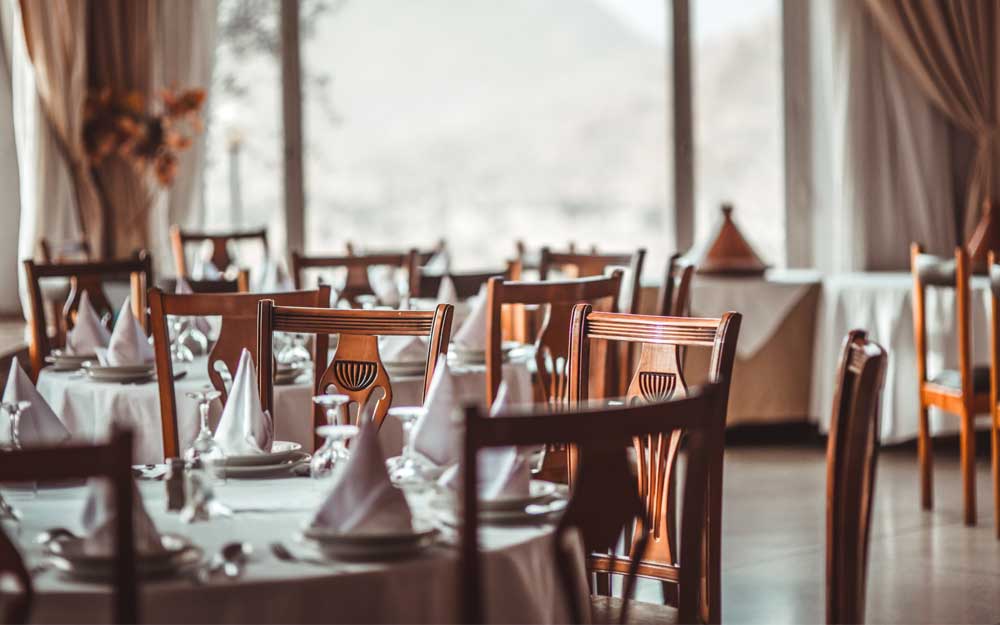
[(204, 448), (334, 448), (179, 352), (193, 338), (407, 469), (13, 409), (298, 354)]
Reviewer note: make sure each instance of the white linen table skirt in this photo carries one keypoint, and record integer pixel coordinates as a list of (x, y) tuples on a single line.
[(520, 578), (882, 303), (88, 408)]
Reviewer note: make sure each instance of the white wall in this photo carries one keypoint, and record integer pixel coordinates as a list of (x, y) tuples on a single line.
[(10, 201)]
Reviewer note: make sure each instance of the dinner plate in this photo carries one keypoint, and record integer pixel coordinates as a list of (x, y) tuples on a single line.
[(291, 468), (68, 362), (371, 546), (132, 373), (73, 551), (102, 573), (281, 452), (538, 490)]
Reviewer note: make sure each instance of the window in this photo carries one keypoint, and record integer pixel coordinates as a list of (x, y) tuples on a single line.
[(738, 119)]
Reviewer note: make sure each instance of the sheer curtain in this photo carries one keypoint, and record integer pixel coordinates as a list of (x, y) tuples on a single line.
[(883, 161)]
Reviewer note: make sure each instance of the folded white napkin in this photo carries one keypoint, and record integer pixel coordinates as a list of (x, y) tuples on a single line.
[(382, 279), (200, 323), (437, 434), (99, 521), (503, 472), (88, 332), (472, 333), (129, 344), (362, 499), (244, 428), (39, 425), (438, 264), (446, 291), (274, 278), (402, 348)]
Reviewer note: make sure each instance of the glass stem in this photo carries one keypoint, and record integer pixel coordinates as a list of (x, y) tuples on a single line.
[(407, 434), (203, 408)]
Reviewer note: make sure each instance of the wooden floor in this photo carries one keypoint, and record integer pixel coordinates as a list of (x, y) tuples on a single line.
[(926, 567)]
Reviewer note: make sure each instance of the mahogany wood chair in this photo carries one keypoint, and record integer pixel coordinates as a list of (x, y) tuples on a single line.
[(993, 270), (112, 460), (89, 277), (659, 376), (552, 340), (237, 332), (606, 499), (674, 297), (356, 369), (240, 285), (356, 266), (467, 284), (578, 265), (220, 241), (964, 392), (851, 456)]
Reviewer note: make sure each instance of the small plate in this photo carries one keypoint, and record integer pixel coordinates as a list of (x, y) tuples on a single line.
[(69, 362), (268, 471), (539, 490), (73, 550), (281, 452), (376, 546)]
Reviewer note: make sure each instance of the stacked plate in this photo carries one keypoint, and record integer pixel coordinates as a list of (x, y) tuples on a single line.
[(178, 554), (122, 374), (60, 361), (287, 374), (286, 459), (371, 546)]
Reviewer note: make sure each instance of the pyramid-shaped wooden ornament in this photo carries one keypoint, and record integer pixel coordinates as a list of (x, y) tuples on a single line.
[(984, 238), (730, 253)]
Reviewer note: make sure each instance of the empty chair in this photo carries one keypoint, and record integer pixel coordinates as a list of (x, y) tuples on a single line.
[(577, 265), (356, 281), (467, 284), (964, 392), (605, 500), (241, 284), (674, 297), (851, 455), (220, 241)]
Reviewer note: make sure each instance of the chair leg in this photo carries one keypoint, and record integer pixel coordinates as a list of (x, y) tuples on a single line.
[(995, 453), (926, 460), (968, 441), (603, 584)]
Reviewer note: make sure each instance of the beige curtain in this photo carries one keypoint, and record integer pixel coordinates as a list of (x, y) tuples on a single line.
[(56, 39), (951, 49)]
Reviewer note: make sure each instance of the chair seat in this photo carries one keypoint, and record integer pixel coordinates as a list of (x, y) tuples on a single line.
[(951, 378), (607, 609)]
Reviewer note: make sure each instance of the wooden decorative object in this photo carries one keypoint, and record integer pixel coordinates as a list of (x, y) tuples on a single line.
[(111, 460), (357, 369), (730, 253), (180, 239), (659, 377), (606, 499), (965, 392), (356, 266), (238, 331), (851, 454), (89, 277), (985, 237)]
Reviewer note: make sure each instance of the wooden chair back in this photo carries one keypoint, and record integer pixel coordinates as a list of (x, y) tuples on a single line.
[(67, 251), (552, 340), (993, 272), (467, 284), (112, 460), (605, 496), (578, 265), (674, 297), (851, 457), (356, 369), (221, 258), (237, 332), (240, 285), (659, 376), (89, 277), (356, 283)]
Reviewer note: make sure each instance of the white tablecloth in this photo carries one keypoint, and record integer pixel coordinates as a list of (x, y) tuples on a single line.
[(882, 304), (89, 408), (764, 302), (519, 573)]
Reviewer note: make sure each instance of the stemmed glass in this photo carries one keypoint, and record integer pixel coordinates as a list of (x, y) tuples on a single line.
[(407, 469), (334, 448), (191, 335), (204, 448), (13, 410), (179, 352)]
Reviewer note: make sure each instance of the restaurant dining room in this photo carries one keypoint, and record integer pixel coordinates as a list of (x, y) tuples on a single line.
[(519, 311)]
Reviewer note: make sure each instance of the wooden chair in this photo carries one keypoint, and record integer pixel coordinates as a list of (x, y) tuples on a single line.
[(606, 498), (586, 265), (240, 285), (466, 284), (552, 340), (89, 277), (659, 376), (674, 297), (851, 455), (180, 239), (113, 461), (356, 282), (356, 369), (965, 392), (238, 331), (993, 271)]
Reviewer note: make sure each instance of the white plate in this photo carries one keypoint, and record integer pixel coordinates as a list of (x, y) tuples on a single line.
[(120, 374), (174, 565), (268, 471), (538, 491), (281, 452), (72, 550), (371, 546)]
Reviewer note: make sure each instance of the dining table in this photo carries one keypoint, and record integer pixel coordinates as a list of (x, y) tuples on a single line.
[(519, 577)]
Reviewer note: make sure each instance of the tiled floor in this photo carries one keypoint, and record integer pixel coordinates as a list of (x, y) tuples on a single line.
[(925, 567)]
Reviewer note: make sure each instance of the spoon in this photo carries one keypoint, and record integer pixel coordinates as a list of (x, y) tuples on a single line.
[(54, 534)]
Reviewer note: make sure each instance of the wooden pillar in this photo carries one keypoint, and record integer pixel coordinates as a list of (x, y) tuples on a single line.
[(795, 61), (683, 131), (291, 109)]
